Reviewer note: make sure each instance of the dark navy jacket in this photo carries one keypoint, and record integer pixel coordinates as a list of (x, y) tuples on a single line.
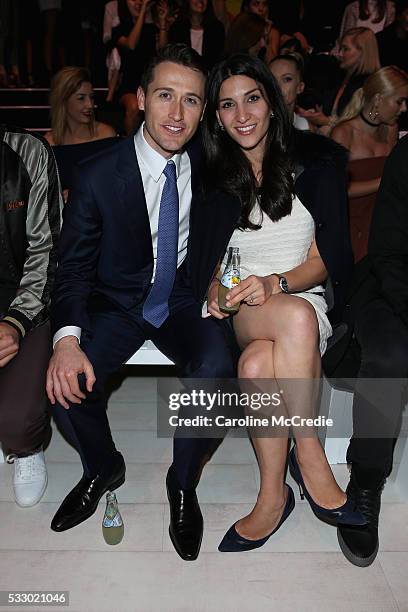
[(106, 245)]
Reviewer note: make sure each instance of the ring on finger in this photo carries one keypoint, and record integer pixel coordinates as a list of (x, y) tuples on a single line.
[(251, 299)]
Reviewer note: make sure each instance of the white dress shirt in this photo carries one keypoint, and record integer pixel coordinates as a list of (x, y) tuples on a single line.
[(152, 165)]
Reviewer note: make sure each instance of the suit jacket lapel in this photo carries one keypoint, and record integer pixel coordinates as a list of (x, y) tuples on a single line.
[(132, 195)]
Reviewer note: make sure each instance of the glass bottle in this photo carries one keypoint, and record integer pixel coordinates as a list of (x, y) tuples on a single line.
[(112, 524), (230, 278)]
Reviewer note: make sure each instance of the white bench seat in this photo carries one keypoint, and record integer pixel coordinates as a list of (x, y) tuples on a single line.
[(148, 354)]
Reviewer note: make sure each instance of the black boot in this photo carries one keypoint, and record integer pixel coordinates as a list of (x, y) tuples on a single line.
[(359, 544)]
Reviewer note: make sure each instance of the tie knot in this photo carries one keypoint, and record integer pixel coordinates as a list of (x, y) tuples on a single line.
[(170, 171)]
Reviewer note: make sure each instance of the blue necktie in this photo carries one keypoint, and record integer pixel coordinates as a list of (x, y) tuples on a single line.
[(156, 306)]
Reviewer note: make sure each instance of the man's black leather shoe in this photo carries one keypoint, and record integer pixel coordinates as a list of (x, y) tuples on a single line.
[(83, 500), (359, 544), (186, 520)]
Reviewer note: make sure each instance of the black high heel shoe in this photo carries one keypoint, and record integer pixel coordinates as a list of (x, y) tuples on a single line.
[(233, 542), (347, 514)]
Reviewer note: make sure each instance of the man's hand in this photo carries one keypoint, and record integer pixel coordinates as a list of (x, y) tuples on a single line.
[(66, 363), (9, 343), (212, 301)]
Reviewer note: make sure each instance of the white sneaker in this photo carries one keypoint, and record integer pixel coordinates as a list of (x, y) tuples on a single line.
[(30, 478)]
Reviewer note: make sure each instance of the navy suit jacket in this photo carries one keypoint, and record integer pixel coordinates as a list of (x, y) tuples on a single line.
[(105, 247)]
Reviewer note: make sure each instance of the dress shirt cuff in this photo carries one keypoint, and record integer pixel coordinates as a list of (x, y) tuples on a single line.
[(68, 330)]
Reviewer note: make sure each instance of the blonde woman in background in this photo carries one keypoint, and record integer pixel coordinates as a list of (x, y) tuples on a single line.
[(72, 109), (368, 128), (73, 122), (358, 58)]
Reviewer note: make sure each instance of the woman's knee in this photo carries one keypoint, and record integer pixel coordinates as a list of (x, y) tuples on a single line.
[(252, 364), (300, 323)]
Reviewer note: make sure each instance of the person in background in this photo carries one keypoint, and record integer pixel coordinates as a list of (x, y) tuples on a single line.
[(245, 35), (73, 122), (272, 35), (321, 23), (30, 221), (136, 40), (281, 326), (73, 109), (110, 21), (50, 11), (358, 58), (29, 35), (288, 71), (393, 40), (9, 43), (368, 128), (198, 27), (222, 14), (373, 14), (289, 17)]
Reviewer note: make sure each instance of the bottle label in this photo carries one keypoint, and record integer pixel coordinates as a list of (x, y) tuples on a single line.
[(116, 521), (230, 278)]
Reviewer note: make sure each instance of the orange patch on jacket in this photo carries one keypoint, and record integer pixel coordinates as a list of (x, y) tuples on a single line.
[(14, 204)]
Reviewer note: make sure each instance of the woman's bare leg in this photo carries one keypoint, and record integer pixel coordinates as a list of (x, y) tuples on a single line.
[(112, 85), (256, 362), (133, 115), (50, 18), (291, 324)]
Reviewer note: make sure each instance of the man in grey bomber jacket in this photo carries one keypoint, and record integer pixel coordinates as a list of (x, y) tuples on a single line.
[(30, 221)]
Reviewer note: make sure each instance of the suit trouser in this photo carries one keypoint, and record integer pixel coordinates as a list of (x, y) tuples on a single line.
[(24, 423), (377, 405), (201, 348)]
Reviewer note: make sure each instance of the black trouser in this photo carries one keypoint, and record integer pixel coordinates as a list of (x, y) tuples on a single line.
[(24, 423), (377, 405), (201, 348)]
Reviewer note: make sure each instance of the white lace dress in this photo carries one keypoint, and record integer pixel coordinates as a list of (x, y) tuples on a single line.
[(281, 246)]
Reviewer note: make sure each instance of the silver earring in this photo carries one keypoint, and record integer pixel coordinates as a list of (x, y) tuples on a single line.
[(373, 114), (272, 114)]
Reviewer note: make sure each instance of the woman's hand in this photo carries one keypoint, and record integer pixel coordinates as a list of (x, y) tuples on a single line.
[(315, 115), (145, 4), (254, 290), (212, 300), (162, 14)]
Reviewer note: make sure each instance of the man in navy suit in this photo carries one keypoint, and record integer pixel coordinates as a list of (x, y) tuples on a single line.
[(125, 275)]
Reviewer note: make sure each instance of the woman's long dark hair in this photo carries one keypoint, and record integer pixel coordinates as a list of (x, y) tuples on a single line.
[(208, 16), (228, 167), (125, 18)]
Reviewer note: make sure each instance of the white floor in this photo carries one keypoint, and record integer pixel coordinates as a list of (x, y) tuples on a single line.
[(299, 569)]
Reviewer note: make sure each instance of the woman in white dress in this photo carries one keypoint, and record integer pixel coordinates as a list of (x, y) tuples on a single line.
[(281, 327)]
